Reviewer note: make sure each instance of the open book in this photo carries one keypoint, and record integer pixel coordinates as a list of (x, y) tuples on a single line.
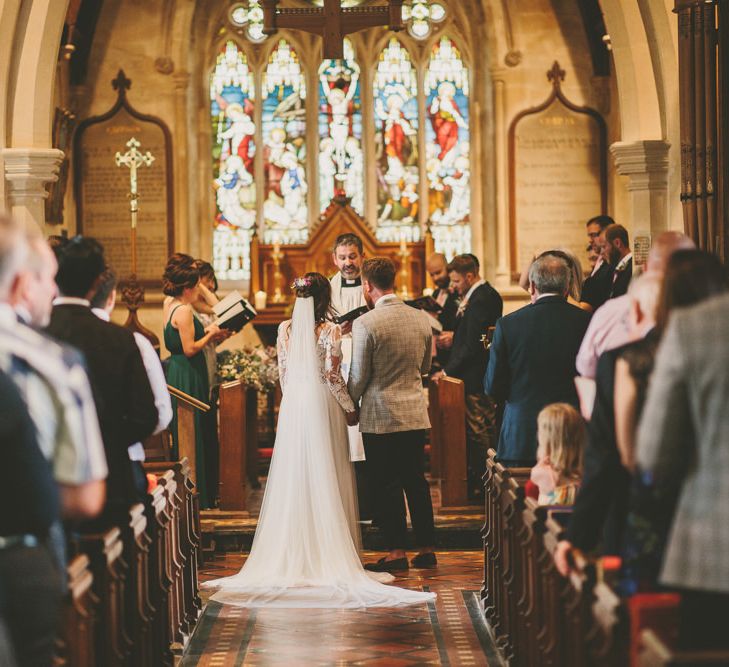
[(351, 316), (233, 312), (426, 303)]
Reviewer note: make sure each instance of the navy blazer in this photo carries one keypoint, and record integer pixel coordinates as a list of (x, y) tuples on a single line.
[(532, 364), (469, 357)]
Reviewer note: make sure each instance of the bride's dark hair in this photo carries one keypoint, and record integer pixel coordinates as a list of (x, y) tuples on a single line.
[(316, 285)]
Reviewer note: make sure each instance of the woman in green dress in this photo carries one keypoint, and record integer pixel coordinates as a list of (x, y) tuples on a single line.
[(185, 339)]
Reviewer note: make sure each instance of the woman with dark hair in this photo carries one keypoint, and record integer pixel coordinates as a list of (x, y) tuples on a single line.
[(185, 338), (305, 551), (691, 276)]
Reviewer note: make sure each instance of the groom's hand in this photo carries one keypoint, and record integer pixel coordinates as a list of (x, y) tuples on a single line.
[(352, 418)]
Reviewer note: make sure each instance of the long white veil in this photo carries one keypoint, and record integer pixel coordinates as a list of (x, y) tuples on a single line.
[(304, 553)]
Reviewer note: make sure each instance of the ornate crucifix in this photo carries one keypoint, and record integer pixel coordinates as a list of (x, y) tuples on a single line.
[(134, 159), (332, 21)]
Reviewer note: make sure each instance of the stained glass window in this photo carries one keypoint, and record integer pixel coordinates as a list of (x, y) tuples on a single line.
[(341, 162), (420, 15), (248, 15), (447, 158), (285, 211), (232, 94), (396, 144)]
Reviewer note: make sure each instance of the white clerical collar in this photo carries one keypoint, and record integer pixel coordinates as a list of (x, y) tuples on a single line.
[(71, 301), (474, 287), (385, 299), (624, 262), (351, 282), (101, 314)]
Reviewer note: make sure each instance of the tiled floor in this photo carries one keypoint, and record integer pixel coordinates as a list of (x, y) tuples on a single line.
[(449, 631)]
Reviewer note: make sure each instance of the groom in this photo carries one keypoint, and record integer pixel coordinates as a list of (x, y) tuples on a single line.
[(391, 351)]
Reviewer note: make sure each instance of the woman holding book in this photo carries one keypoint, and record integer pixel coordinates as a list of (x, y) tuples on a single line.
[(185, 338)]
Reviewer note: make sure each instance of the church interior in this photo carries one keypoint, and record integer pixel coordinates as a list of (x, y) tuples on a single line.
[(253, 134)]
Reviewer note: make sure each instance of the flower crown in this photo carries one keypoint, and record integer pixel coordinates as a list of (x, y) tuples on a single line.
[(302, 286)]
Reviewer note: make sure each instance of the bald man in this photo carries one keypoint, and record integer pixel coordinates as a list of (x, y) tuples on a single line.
[(609, 327), (437, 267)]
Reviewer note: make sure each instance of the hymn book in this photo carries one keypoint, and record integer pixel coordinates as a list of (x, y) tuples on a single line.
[(351, 316), (233, 312)]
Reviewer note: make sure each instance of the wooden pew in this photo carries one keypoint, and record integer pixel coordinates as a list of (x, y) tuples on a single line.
[(139, 609), (452, 443), (238, 443), (436, 431), (104, 551), (189, 537), (76, 646), (186, 406)]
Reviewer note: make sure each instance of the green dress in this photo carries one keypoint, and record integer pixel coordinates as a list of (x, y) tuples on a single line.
[(190, 374)]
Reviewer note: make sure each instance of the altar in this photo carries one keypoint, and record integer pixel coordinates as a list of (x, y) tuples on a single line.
[(274, 266)]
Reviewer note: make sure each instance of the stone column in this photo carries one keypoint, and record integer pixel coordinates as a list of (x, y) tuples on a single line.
[(645, 163), (502, 192), (27, 171), (187, 232)]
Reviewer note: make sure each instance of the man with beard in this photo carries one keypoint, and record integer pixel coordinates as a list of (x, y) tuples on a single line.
[(437, 267), (616, 252)]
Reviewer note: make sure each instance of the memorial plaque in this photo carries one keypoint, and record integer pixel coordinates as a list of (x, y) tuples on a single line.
[(558, 175), (102, 191)]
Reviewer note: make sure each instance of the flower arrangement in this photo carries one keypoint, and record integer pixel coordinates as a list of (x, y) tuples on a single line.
[(256, 368), (301, 284)]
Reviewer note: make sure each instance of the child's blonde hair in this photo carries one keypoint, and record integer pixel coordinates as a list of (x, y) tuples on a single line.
[(561, 436)]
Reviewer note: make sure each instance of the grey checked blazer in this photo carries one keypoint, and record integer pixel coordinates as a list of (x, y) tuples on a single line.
[(683, 439), (391, 350)]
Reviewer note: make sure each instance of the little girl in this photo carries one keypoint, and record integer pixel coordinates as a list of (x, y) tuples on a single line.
[(561, 436)]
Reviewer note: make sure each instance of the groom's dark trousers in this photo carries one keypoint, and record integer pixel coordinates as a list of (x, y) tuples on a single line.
[(396, 463)]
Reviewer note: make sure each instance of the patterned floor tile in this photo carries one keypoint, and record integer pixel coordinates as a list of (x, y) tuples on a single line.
[(450, 631)]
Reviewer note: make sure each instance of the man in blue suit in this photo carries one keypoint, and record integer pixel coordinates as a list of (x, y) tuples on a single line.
[(532, 358)]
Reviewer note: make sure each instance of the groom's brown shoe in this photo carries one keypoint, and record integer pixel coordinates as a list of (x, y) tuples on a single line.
[(383, 565)]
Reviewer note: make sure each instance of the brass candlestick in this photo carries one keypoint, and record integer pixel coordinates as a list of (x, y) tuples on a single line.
[(277, 256), (404, 255)]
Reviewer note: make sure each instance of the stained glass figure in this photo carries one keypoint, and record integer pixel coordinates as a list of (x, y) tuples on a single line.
[(396, 140), (420, 15), (448, 149), (341, 162), (248, 15), (284, 148), (232, 94)]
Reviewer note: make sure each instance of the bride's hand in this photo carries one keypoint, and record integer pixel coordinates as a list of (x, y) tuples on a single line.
[(352, 418)]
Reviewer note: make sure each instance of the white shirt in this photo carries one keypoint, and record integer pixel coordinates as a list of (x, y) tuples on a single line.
[(71, 301), (385, 298), (464, 301), (541, 296), (156, 380)]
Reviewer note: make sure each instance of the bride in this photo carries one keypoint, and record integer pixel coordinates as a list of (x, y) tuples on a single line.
[(305, 552)]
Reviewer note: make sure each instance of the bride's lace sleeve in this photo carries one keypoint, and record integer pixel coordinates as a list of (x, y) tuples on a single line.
[(333, 369), (282, 350)]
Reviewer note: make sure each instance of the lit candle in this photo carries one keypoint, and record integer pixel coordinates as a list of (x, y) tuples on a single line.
[(403, 247), (259, 300)]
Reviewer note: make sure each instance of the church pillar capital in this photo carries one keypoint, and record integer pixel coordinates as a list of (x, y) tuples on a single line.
[(646, 165), (27, 172)]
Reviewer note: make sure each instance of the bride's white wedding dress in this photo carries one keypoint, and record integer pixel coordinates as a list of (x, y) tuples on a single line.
[(305, 550)]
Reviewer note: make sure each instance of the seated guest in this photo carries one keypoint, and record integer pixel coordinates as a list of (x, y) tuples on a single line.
[(561, 438), (30, 579), (123, 396), (51, 378), (186, 338), (682, 444), (692, 276), (596, 287), (532, 358), (616, 252), (480, 308), (609, 327), (437, 267), (102, 305), (601, 506)]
